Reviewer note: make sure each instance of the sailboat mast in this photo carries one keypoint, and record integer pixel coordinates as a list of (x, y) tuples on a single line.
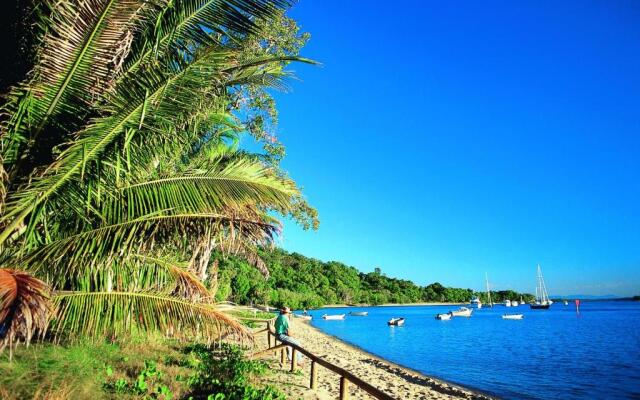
[(486, 277)]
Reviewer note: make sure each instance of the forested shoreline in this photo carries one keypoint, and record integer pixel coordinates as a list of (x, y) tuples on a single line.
[(299, 281)]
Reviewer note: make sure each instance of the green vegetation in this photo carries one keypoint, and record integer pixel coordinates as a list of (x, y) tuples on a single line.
[(120, 174), (120, 170), (149, 369), (299, 281)]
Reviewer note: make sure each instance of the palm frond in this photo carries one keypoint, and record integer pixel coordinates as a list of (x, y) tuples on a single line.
[(100, 314), (24, 308), (196, 23), (84, 44), (238, 183), (185, 284), (88, 252)]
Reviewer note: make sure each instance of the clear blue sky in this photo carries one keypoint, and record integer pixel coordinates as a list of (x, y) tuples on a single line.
[(440, 140)]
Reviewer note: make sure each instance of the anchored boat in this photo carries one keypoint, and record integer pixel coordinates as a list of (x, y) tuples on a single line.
[(332, 317), (512, 316), (396, 322), (461, 312), (443, 317), (542, 297), (359, 313)]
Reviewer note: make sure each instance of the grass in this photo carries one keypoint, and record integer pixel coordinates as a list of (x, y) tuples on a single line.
[(149, 368)]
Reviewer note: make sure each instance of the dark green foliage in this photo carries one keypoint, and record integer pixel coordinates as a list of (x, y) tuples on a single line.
[(302, 282)]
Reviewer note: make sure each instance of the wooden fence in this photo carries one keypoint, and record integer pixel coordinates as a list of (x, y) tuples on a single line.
[(346, 377)]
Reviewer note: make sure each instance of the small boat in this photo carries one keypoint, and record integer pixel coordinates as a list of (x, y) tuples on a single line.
[(512, 316), (476, 302), (303, 317), (444, 317), (359, 313), (396, 322), (514, 303), (566, 303), (333, 317), (507, 303), (461, 312)]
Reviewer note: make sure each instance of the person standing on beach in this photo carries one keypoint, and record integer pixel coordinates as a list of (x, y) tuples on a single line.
[(283, 334)]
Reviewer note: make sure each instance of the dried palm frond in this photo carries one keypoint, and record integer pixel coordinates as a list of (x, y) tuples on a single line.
[(24, 308)]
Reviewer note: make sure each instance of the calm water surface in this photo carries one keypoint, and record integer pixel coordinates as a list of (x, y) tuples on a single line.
[(553, 354)]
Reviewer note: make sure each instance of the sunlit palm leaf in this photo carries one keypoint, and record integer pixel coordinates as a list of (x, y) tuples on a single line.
[(84, 43), (92, 250), (101, 314), (236, 184)]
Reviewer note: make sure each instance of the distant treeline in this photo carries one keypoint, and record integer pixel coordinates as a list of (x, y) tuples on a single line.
[(298, 281)]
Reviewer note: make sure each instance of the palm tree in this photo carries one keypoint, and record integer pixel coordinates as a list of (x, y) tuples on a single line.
[(118, 172)]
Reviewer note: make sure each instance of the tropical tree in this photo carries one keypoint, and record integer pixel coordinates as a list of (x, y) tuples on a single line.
[(119, 168)]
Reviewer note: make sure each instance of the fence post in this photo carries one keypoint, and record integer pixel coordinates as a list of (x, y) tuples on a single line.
[(313, 383), (344, 388), (269, 335), (282, 354), (294, 353)]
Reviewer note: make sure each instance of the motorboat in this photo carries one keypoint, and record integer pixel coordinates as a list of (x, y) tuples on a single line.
[(303, 317), (444, 317), (512, 316), (359, 313), (507, 303), (461, 312), (333, 317), (396, 322), (514, 303), (566, 303)]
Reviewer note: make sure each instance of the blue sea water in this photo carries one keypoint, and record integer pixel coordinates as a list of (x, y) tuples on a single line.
[(550, 354)]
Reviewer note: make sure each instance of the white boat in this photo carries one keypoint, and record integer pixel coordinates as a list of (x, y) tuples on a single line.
[(514, 303), (332, 317), (396, 322), (444, 317), (512, 316), (359, 313), (507, 303), (542, 297), (303, 317), (475, 302), (461, 312), (566, 303)]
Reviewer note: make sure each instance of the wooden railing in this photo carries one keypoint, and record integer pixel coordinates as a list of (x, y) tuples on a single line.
[(346, 377)]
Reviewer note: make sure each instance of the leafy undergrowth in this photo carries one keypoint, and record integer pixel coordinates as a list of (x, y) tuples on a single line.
[(154, 369)]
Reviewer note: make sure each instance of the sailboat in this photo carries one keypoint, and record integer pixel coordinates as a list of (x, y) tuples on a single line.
[(489, 302), (542, 297)]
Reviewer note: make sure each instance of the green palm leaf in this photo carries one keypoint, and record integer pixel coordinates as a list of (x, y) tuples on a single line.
[(76, 58), (104, 314), (236, 184)]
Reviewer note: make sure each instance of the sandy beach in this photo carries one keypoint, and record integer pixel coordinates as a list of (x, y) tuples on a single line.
[(399, 382)]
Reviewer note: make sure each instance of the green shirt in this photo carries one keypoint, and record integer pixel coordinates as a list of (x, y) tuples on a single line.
[(282, 324)]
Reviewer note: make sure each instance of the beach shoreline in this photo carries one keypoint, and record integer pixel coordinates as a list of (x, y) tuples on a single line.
[(398, 381)]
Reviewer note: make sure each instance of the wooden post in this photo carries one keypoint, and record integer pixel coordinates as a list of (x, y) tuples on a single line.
[(313, 383), (344, 388), (283, 352), (269, 335), (294, 353)]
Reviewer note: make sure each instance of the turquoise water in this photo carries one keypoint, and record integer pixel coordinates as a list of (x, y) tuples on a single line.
[(552, 354)]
